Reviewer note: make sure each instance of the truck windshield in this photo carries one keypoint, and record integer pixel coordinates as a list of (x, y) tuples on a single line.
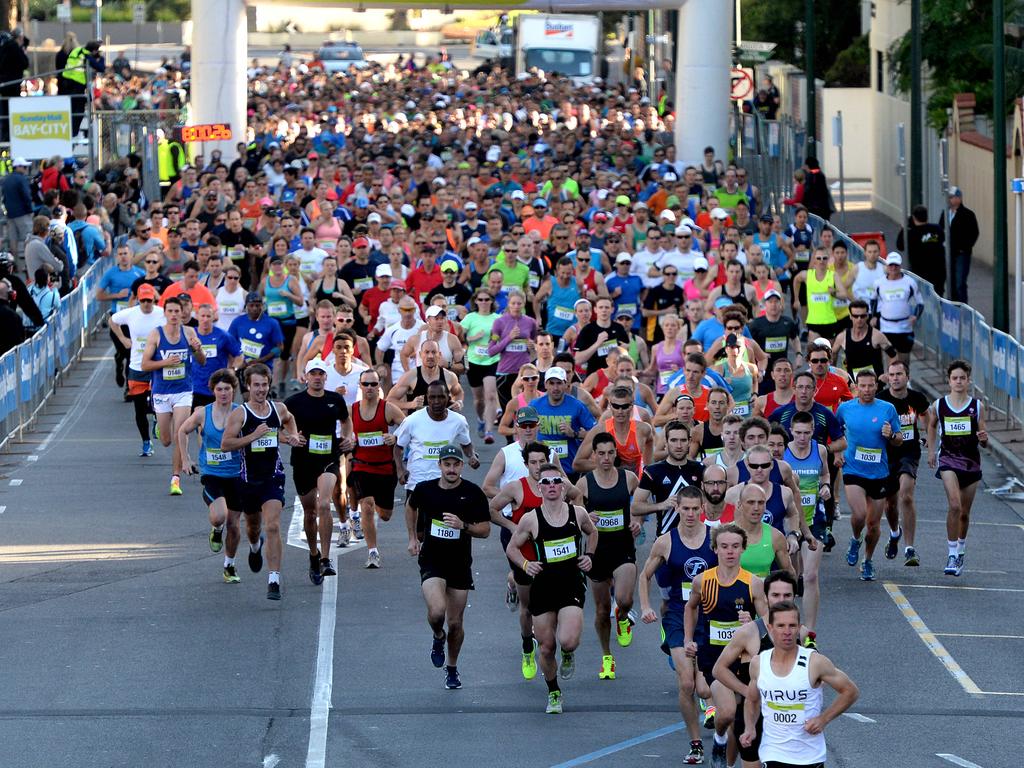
[(570, 63)]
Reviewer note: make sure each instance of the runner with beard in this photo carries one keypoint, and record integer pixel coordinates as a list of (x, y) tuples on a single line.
[(662, 481)]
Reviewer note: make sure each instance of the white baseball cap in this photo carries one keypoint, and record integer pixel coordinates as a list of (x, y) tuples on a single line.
[(623, 258), (682, 229), (719, 213), (20, 162), (518, 194), (473, 241), (316, 364), (667, 215), (384, 270), (434, 311), (700, 263), (373, 217), (554, 372), (894, 258)]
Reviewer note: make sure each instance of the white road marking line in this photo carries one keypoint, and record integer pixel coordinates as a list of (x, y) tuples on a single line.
[(932, 643), (270, 761), (77, 409), (33, 457), (972, 634), (16, 482), (954, 586), (297, 533), (1019, 526), (323, 680), (858, 717), (1002, 693), (957, 760), (3, 508)]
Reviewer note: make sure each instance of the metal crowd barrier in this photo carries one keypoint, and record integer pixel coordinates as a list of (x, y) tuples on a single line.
[(948, 330), (32, 371)]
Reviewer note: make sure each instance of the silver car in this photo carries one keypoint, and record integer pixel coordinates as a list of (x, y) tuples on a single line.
[(338, 57)]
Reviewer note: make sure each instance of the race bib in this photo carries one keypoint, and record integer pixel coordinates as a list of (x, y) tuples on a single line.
[(604, 348), (631, 308), (564, 313), (423, 297), (480, 350), (868, 455), (320, 444), (516, 346), (140, 344), (908, 431), (363, 283), (327, 245), (664, 376), (534, 281), (230, 308), (210, 350), (841, 303), (559, 550), (808, 499), (608, 522), (821, 298), (174, 372), (370, 439), (742, 408), (788, 715), (251, 349), (441, 531), (775, 344), (433, 449), (237, 253), (956, 425), (119, 305), (686, 586), (559, 447), (277, 309), (262, 443), (213, 458), (721, 632)]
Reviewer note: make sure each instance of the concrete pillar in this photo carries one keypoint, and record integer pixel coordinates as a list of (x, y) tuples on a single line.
[(219, 56), (703, 68)]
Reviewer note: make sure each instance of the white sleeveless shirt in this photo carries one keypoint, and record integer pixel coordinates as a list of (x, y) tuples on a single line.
[(787, 703)]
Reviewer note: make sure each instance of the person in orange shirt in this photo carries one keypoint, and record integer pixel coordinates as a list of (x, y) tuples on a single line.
[(190, 284), (250, 204), (540, 221), (693, 387)]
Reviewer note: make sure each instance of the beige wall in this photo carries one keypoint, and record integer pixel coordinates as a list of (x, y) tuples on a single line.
[(887, 186), (858, 133)]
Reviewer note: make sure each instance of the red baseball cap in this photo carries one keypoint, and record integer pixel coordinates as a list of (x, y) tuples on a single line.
[(146, 291), (360, 242)]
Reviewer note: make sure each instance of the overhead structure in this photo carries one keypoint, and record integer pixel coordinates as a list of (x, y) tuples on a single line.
[(703, 64)]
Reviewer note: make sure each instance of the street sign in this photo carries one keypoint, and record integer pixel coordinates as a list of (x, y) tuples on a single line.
[(64, 12), (139, 13), (742, 86), (756, 52)]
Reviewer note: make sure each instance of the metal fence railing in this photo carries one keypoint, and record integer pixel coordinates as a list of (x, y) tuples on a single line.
[(32, 371), (770, 150), (948, 330)]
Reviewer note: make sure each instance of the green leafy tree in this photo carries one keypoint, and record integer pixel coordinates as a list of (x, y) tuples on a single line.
[(836, 25), (956, 48)]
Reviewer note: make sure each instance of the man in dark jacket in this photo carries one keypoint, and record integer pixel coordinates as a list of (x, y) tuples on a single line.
[(12, 331), (13, 63), (924, 244), (17, 194), (19, 291), (817, 199), (961, 227)]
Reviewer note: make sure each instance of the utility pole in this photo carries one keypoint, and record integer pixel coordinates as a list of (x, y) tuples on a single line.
[(916, 128), (812, 111), (1000, 285)]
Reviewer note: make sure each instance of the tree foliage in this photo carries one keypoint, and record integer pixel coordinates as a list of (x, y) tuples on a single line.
[(852, 67), (956, 47), (837, 27)]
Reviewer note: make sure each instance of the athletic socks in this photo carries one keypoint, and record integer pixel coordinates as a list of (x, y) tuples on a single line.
[(255, 547), (552, 685), (895, 534), (528, 644), (961, 546), (722, 739), (952, 547), (274, 577), (228, 562)]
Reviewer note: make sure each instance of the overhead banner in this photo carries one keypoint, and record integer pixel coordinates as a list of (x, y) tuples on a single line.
[(40, 127), (552, 6)]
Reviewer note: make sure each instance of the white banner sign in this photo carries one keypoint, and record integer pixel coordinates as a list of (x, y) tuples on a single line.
[(40, 127)]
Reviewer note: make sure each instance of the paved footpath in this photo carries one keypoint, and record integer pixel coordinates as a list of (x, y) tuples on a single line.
[(120, 645)]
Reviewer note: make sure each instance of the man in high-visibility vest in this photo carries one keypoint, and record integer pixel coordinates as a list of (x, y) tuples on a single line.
[(74, 79)]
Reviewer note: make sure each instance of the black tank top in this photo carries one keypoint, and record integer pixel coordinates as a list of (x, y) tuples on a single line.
[(421, 384), (710, 444), (611, 505), (261, 459), (559, 548), (321, 294), (742, 298), (860, 355)]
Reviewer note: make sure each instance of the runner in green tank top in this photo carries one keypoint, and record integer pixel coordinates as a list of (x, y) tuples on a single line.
[(765, 544)]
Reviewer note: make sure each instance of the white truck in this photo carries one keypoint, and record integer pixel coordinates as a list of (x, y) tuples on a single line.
[(562, 43)]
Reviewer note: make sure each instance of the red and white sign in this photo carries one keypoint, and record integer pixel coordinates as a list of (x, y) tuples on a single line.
[(742, 80)]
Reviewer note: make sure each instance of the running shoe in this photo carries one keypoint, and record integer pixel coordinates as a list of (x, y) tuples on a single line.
[(452, 681), (437, 650), (489, 438), (327, 567), (216, 539), (147, 449), (530, 663), (624, 632), (568, 666), (119, 376), (811, 641), (839, 513), (156, 429), (315, 574), (175, 487), (718, 756), (373, 559), (256, 558), (273, 591), (357, 526), (230, 576), (910, 557), (830, 540), (481, 427), (607, 668), (511, 597), (892, 548), (867, 571), (709, 717), (853, 553), (950, 569), (554, 706), (959, 564), (345, 536), (696, 756)]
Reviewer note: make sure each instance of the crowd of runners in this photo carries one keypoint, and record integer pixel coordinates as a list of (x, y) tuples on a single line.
[(408, 264)]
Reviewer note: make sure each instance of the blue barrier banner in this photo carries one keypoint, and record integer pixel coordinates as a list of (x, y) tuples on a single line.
[(62, 334), (9, 385), (967, 316), (1000, 375), (1012, 359), (25, 361), (982, 358), (949, 336), (38, 363)]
